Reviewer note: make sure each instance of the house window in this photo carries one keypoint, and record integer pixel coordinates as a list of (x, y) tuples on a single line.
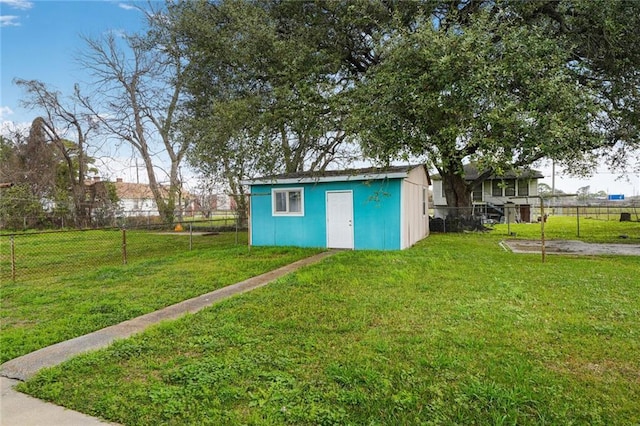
[(424, 201), (477, 193), (523, 188), (510, 188), (288, 202), (496, 188)]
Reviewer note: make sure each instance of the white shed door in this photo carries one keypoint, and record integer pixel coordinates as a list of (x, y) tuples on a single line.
[(340, 219)]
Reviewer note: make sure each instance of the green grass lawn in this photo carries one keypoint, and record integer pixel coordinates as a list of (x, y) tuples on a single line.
[(591, 230), (452, 331), (78, 283), (45, 255)]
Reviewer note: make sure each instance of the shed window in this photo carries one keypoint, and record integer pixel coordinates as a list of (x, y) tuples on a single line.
[(288, 202)]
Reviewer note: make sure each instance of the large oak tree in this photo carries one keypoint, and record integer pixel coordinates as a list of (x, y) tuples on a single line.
[(503, 83)]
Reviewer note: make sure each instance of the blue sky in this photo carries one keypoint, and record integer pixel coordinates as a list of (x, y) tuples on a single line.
[(41, 39)]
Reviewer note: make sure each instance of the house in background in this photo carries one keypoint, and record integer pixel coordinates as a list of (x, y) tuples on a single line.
[(136, 199), (490, 196), (361, 209)]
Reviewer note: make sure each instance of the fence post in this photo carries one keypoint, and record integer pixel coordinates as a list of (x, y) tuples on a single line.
[(13, 258), (578, 219), (237, 217), (124, 246), (190, 236), (542, 241)]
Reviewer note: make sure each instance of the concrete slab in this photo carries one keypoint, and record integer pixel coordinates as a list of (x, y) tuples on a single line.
[(572, 247), (18, 409)]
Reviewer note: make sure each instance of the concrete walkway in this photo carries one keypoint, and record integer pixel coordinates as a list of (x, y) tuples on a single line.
[(18, 409), (22, 410)]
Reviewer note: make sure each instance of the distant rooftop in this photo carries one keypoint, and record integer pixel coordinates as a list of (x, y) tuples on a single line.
[(471, 172)]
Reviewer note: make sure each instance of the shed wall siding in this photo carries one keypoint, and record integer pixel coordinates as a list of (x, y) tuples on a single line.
[(415, 224), (376, 216)]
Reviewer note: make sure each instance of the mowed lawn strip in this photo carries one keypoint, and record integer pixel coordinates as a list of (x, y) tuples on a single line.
[(590, 229), (41, 256), (452, 331), (39, 312)]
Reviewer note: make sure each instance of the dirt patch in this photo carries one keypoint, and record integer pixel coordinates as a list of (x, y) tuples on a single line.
[(571, 247), (601, 369)]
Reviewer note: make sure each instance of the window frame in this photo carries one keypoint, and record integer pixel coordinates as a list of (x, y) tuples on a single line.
[(523, 191), (288, 211), (478, 190), (496, 188), (510, 189)]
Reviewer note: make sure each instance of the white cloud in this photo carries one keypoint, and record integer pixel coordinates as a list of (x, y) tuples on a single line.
[(118, 33), (5, 128), (9, 21), (125, 6), (10, 128), (4, 112), (18, 4), (13, 20)]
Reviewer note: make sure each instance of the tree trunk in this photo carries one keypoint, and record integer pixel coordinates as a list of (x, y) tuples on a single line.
[(242, 208), (458, 194)]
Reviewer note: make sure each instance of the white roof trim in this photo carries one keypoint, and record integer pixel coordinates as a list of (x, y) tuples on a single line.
[(317, 179)]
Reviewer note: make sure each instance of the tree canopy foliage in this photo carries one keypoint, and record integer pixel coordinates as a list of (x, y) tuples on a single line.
[(260, 87), (263, 90), (504, 83)]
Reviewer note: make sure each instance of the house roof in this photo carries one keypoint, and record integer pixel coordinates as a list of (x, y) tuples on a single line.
[(471, 172), (128, 190), (134, 191), (369, 173)]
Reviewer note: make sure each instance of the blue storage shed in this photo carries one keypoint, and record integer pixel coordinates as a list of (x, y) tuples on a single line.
[(361, 209)]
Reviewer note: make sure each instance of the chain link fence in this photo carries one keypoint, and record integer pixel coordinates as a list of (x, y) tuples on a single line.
[(485, 216), (44, 254), (606, 212), (134, 218)]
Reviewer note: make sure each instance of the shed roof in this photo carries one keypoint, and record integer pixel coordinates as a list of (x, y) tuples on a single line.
[(368, 173), (471, 172)]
